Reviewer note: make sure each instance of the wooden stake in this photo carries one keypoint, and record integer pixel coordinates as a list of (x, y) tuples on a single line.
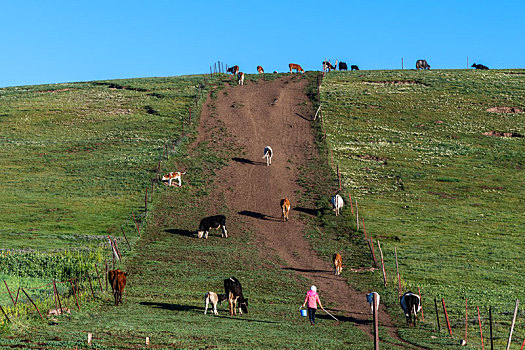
[(357, 215), (364, 228), (382, 262), (513, 322), (147, 341), (57, 295), (481, 330), (522, 345), (421, 300), (446, 317), (74, 293), (373, 252), (398, 276), (98, 276), (13, 300), (351, 205), (91, 286), (90, 337), (376, 322), (42, 317), (1, 308), (136, 223), (490, 324), (466, 318), (124, 233), (437, 314)]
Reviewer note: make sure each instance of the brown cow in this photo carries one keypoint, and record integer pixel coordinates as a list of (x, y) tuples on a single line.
[(233, 70), (117, 279), (297, 67), (285, 206), (260, 70), (241, 78), (338, 264)]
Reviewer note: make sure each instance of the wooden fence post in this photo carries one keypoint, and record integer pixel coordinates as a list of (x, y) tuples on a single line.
[(357, 215), (376, 322), (74, 293), (382, 262), (373, 252), (136, 223), (57, 295), (437, 314), (36, 307), (7, 317), (480, 330), (446, 316), (124, 233), (513, 323), (91, 286), (13, 300), (351, 205)]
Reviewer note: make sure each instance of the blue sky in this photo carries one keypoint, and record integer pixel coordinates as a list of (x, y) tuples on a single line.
[(50, 41)]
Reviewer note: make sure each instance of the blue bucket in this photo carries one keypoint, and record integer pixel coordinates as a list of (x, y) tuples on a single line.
[(304, 312)]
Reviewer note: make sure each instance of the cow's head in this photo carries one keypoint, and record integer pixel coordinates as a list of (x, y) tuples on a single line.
[(243, 304)]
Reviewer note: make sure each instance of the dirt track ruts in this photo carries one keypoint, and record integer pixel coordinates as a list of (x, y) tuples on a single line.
[(277, 113)]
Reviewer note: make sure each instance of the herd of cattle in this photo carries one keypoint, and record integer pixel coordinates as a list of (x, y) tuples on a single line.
[(327, 66)]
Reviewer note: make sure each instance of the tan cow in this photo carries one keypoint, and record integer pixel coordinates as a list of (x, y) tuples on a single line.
[(338, 264), (285, 207), (174, 175), (297, 67), (260, 70)]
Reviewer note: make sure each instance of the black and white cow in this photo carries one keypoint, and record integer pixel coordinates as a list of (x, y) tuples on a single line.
[(216, 222), (343, 66), (422, 64), (479, 66), (354, 67), (233, 290), (411, 305)]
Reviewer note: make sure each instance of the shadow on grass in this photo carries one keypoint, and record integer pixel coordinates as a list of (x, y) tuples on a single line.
[(309, 211), (256, 215), (177, 231), (173, 307), (240, 318)]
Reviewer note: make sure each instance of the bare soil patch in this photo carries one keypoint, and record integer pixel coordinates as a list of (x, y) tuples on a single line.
[(504, 110), (502, 134)]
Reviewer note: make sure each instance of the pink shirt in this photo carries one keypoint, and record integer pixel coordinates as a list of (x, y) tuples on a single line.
[(312, 298)]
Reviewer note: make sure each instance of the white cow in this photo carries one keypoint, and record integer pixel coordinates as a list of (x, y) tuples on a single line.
[(268, 154), (337, 203), (214, 299)]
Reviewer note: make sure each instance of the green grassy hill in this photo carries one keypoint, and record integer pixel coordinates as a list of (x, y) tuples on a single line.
[(437, 169)]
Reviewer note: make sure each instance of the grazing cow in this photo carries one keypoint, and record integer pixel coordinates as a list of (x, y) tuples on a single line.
[(233, 70), (175, 175), (285, 206), (233, 289), (338, 264), (59, 311), (354, 67), (337, 203), (214, 299), (241, 78), (370, 299), (328, 66), (117, 279), (260, 70), (343, 66), (422, 64), (480, 66), (297, 67), (216, 222), (268, 154), (411, 304)]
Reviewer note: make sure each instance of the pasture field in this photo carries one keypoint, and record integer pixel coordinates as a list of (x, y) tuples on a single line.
[(438, 173)]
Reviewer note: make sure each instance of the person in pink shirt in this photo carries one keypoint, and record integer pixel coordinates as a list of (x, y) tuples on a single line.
[(312, 298)]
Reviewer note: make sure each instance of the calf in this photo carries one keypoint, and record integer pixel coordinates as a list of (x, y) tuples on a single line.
[(422, 64), (328, 66), (260, 70), (297, 67), (216, 222), (354, 67), (176, 175), (268, 154), (233, 70), (285, 207), (338, 264), (480, 66), (241, 78), (370, 299), (117, 279), (337, 203), (214, 299), (233, 289), (411, 304), (343, 66)]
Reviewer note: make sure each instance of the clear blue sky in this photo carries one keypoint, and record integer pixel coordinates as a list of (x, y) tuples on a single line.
[(69, 41)]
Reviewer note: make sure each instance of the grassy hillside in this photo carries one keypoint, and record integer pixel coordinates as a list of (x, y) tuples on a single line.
[(77, 157), (423, 154)]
